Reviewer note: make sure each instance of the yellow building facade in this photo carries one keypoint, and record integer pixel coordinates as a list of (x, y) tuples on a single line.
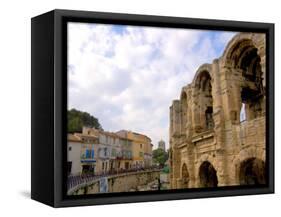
[(141, 148)]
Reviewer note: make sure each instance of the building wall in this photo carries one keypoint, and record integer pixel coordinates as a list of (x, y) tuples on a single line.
[(141, 149), (118, 151), (114, 151), (73, 156), (88, 153), (205, 126), (126, 158), (89, 157)]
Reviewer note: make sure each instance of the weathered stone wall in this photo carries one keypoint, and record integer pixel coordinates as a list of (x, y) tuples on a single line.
[(207, 135), (121, 183), (127, 183)]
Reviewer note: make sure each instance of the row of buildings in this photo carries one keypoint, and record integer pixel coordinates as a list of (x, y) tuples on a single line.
[(97, 152)]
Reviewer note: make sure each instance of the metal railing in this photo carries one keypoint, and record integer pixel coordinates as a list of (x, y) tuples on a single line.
[(85, 179)]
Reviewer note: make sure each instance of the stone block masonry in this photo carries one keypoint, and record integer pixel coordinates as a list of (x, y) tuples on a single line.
[(217, 127)]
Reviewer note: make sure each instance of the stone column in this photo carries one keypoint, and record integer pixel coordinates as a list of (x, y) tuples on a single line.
[(218, 114), (195, 107), (191, 167), (175, 168), (226, 93), (231, 105)]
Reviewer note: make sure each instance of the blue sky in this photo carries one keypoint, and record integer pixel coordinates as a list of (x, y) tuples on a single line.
[(128, 76)]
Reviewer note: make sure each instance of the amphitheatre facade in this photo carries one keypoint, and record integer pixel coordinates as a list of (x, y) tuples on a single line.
[(217, 126)]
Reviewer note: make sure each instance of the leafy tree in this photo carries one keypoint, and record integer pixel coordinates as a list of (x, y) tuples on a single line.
[(77, 119), (159, 156)]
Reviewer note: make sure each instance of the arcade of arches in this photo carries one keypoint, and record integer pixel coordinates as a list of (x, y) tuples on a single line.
[(217, 127)]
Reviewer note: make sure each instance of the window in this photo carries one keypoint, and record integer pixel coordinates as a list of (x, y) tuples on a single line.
[(209, 118), (113, 153), (129, 154), (140, 145), (88, 153), (93, 153)]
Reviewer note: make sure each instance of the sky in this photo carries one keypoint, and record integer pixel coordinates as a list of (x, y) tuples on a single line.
[(127, 76)]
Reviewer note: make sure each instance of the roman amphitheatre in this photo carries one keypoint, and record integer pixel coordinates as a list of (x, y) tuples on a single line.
[(217, 126)]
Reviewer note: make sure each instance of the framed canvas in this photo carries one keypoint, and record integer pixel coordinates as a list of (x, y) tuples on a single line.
[(134, 108)]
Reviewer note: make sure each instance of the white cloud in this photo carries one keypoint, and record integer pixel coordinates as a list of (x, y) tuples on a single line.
[(127, 77)]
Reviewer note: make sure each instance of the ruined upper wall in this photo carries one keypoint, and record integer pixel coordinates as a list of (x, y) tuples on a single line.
[(221, 96)]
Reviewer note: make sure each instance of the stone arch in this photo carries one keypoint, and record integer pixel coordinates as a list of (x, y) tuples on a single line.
[(250, 39), (207, 175), (207, 157), (212, 160), (203, 101), (183, 95), (252, 172), (243, 156), (184, 176), (244, 59), (205, 67)]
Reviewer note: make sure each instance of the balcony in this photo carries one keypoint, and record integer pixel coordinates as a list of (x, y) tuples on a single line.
[(88, 160), (84, 159)]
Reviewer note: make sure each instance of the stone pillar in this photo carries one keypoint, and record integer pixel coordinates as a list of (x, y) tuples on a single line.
[(227, 98), (222, 168), (218, 114), (175, 118), (262, 54), (237, 81), (216, 86), (231, 105), (231, 80), (189, 130), (261, 46), (195, 107), (176, 165), (191, 167)]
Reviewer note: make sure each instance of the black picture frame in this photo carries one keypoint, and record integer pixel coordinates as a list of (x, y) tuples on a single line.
[(48, 108)]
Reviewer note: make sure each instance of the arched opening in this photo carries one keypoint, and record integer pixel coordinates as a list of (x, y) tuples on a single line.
[(243, 113), (209, 118), (245, 59), (205, 101), (208, 175), (183, 112), (185, 176), (252, 172)]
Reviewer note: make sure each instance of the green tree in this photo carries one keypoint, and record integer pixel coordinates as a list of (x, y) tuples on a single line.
[(77, 119), (159, 156)]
